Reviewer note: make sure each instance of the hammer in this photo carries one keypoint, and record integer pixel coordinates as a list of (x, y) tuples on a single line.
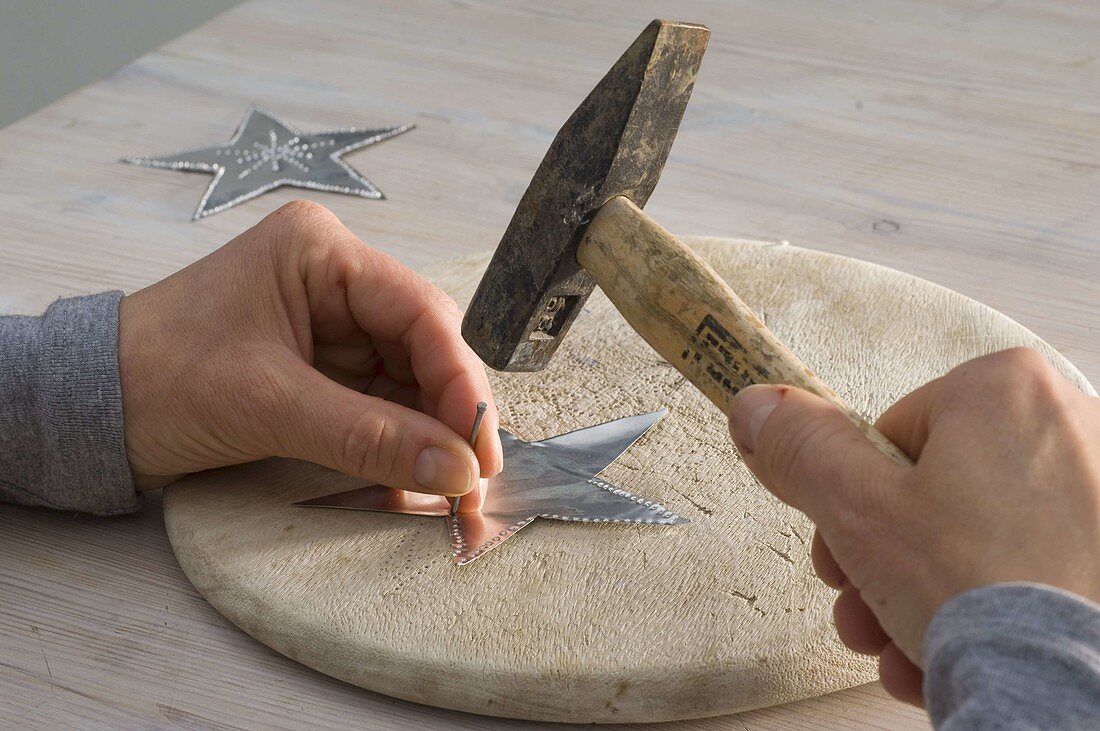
[(580, 224)]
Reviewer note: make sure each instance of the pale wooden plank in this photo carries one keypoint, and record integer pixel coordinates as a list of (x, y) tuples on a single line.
[(953, 140)]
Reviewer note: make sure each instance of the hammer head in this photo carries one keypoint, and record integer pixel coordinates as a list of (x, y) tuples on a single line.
[(615, 144)]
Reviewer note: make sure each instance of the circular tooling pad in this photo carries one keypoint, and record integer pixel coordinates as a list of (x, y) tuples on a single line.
[(576, 622)]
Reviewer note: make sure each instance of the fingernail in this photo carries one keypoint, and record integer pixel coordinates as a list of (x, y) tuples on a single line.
[(751, 409), (441, 471)]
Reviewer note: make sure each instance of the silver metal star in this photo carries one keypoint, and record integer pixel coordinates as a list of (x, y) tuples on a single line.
[(555, 478), (266, 153)]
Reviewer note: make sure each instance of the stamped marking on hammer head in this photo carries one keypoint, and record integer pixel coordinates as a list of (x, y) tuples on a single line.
[(614, 144)]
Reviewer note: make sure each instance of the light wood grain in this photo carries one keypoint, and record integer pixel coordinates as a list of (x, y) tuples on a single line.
[(957, 141), (582, 623)]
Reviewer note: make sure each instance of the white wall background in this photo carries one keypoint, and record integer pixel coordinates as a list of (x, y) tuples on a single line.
[(51, 47)]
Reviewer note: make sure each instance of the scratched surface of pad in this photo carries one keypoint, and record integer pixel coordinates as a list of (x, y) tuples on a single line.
[(573, 622)]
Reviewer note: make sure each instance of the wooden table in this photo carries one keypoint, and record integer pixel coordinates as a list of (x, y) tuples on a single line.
[(954, 140)]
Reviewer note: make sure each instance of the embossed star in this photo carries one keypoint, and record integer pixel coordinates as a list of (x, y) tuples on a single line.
[(555, 478), (266, 153)]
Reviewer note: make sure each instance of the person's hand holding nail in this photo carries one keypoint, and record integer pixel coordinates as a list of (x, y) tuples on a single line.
[(295, 339)]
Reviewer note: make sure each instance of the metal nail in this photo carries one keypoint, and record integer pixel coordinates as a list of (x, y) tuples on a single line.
[(481, 407)]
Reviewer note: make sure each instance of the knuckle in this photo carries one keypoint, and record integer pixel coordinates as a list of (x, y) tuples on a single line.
[(1022, 366), (1007, 380), (1022, 358), (303, 211), (1030, 377), (300, 222), (435, 309), (312, 235), (1019, 365), (373, 446), (441, 302), (1038, 374)]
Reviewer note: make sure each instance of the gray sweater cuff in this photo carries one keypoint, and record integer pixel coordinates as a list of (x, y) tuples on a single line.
[(1014, 656), (61, 436)]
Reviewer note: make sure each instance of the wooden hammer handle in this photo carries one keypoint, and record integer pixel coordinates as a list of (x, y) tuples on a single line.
[(682, 308)]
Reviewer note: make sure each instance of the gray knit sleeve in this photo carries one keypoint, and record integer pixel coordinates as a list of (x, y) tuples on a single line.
[(1014, 656), (61, 439)]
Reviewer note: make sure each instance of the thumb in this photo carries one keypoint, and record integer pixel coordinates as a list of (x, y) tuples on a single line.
[(372, 438), (806, 452)]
